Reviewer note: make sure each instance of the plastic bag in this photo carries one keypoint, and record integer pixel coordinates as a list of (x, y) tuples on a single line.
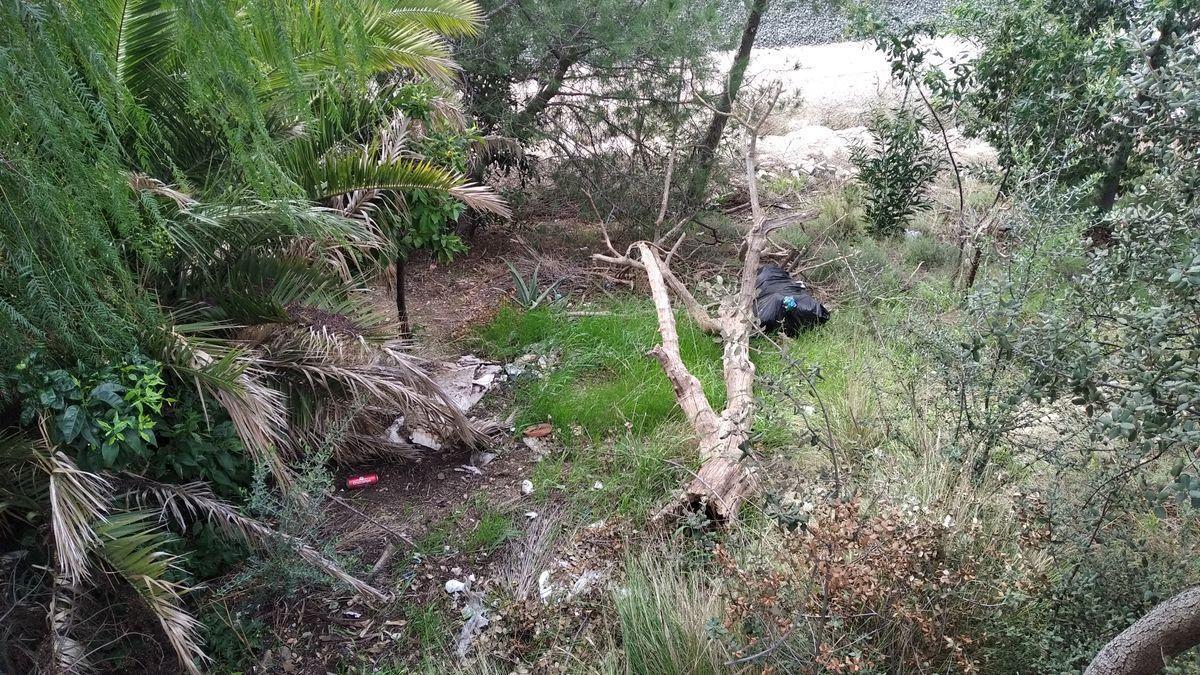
[(785, 302)]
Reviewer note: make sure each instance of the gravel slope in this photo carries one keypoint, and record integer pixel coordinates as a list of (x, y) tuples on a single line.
[(809, 22)]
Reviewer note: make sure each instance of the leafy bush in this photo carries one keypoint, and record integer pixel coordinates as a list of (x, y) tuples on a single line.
[(896, 172)]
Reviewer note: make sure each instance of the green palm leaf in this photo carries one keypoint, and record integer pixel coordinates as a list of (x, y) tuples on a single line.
[(135, 546), (451, 18), (139, 37)]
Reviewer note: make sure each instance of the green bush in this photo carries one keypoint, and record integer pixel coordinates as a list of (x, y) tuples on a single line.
[(896, 173)]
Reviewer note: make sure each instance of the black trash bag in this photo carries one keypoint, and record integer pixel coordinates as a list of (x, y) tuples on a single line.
[(783, 301)]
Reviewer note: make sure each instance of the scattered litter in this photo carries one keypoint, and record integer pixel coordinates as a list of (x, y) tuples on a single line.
[(526, 487), (597, 525), (597, 485), (583, 583), (913, 234), (476, 614), (545, 588), (532, 515), (351, 614), (425, 439), (539, 430), (361, 481), (454, 586), (466, 380)]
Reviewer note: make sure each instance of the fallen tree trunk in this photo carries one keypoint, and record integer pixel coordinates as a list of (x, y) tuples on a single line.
[(723, 480), (1169, 629)]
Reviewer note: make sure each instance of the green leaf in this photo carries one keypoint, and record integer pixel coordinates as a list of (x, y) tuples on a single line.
[(108, 392), (71, 423), (109, 452)]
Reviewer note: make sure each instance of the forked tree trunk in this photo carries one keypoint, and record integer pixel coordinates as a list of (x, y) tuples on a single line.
[(1168, 630), (723, 480)]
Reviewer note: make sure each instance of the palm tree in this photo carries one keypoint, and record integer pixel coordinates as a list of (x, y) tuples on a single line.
[(256, 175)]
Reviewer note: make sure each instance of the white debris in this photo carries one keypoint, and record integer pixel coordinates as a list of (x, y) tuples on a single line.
[(476, 614), (466, 380), (454, 586), (597, 485), (526, 487), (537, 445), (545, 588), (532, 515), (583, 583), (425, 439)]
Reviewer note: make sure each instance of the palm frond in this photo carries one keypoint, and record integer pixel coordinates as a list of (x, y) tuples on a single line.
[(78, 500), (140, 182), (338, 174), (139, 36), (184, 504), (258, 412), (401, 45), (482, 198), (67, 655), (209, 237), (452, 18), (135, 546)]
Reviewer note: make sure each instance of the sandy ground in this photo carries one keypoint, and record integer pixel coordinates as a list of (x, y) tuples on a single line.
[(829, 92)]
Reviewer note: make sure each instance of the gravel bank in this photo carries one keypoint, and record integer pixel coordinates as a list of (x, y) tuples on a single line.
[(790, 23)]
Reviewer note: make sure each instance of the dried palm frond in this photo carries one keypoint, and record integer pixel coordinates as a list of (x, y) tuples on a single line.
[(140, 182), (78, 500), (186, 503), (134, 545), (67, 655), (258, 412)]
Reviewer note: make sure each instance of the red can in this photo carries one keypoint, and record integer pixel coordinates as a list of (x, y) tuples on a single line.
[(355, 482)]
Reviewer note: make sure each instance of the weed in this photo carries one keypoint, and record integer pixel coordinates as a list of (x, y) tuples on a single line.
[(526, 291), (665, 615)]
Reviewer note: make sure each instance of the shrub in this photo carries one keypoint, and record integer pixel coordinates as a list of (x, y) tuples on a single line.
[(896, 172)]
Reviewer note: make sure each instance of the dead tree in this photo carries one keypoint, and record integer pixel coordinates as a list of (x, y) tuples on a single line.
[(1169, 629), (723, 481)]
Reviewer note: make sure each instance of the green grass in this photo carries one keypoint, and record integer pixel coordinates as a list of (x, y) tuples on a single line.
[(427, 625), (492, 530), (636, 473), (604, 382)]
